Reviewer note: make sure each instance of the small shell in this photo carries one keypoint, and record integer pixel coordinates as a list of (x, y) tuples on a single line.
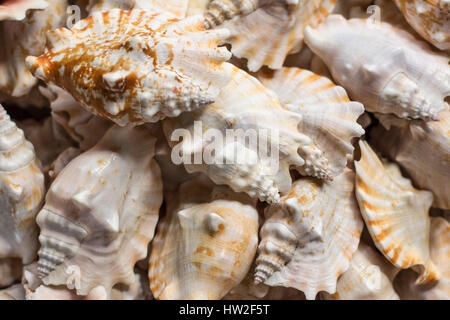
[(440, 251), (423, 150), (308, 240), (100, 213), (176, 7), (369, 277), (391, 73), (17, 9), (249, 108), (396, 214), (134, 66), (21, 193), (10, 271), (431, 19), (203, 249), (328, 118), (269, 34), (20, 39)]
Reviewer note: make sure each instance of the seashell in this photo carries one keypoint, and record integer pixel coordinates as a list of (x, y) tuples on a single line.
[(176, 7), (14, 292), (23, 38), (10, 271), (392, 73), (417, 147), (17, 10), (369, 277), (328, 118), (396, 214), (269, 34), (431, 19), (145, 68), (439, 251), (204, 245), (249, 108), (117, 186), (308, 240), (62, 293), (61, 162), (22, 193)]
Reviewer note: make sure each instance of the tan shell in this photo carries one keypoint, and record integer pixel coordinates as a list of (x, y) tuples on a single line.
[(396, 214), (204, 245), (147, 67), (17, 9), (308, 240), (176, 7)]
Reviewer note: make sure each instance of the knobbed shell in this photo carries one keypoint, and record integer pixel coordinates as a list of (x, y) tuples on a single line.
[(396, 214), (135, 66), (21, 193), (328, 118), (392, 72), (176, 7), (369, 277), (204, 245), (431, 19), (308, 240), (17, 9), (259, 166), (100, 213)]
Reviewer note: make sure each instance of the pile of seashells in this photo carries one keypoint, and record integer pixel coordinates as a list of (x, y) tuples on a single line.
[(95, 94)]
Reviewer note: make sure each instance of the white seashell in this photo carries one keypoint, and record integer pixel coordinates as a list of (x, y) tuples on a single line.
[(248, 108), (269, 34), (308, 240), (369, 277), (423, 150), (440, 251), (100, 213), (10, 271), (328, 118), (176, 7), (61, 161), (391, 73), (20, 39), (21, 194), (431, 19), (204, 245), (14, 292), (145, 68), (17, 10), (396, 214)]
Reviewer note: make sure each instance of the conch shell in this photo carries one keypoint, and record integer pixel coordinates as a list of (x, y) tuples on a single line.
[(431, 19), (204, 245), (396, 214), (100, 213), (135, 66), (17, 9), (176, 7), (308, 240), (392, 72), (328, 118)]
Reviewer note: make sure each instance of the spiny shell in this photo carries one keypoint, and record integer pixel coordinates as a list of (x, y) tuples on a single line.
[(369, 277), (391, 73), (269, 34), (176, 7), (423, 150), (246, 106), (431, 19), (440, 251), (20, 39), (21, 193), (396, 214), (135, 66), (17, 9), (308, 240), (328, 118), (203, 248), (100, 213)]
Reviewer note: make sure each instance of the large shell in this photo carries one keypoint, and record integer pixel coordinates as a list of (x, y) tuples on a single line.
[(369, 277), (20, 39), (176, 7), (328, 118), (100, 213), (249, 109), (392, 72), (21, 193), (205, 244), (423, 150), (135, 66), (440, 251), (17, 9), (269, 34), (308, 240), (396, 214), (431, 19)]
